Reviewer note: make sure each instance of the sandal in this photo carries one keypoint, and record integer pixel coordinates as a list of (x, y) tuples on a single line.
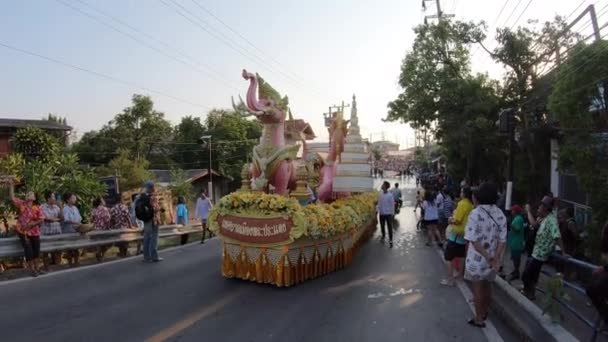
[(475, 324), (446, 282)]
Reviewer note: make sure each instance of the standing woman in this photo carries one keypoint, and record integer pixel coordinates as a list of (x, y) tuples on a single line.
[(51, 225), (52, 215), (101, 219), (431, 218), (121, 219), (28, 229), (203, 205), (486, 232), (71, 221)]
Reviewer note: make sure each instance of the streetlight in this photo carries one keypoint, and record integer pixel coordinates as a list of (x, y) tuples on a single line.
[(207, 138)]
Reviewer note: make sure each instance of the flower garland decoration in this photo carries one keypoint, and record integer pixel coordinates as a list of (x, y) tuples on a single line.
[(317, 221)]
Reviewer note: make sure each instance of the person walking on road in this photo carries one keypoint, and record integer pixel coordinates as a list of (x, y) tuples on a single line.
[(486, 231), (203, 205), (386, 212), (147, 209), (547, 236), (28, 229), (516, 240)]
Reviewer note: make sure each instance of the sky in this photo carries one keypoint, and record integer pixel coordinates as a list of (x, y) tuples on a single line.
[(188, 54)]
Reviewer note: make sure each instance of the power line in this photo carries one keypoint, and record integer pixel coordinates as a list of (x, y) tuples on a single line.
[(143, 43), (202, 24), (576, 9), (512, 12), (493, 24), (98, 74), (220, 77), (199, 5), (522, 13)]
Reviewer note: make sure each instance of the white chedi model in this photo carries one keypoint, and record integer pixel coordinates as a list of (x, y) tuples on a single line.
[(353, 173)]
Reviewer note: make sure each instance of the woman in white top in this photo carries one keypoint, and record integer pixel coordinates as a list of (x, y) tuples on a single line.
[(52, 216), (71, 221), (431, 218)]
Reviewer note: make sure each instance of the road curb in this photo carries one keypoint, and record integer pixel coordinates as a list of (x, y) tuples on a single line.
[(525, 317)]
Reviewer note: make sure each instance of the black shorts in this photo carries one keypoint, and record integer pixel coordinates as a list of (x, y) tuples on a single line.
[(454, 250), (429, 222)]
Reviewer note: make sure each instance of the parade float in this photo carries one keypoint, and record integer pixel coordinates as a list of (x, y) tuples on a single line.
[(270, 229)]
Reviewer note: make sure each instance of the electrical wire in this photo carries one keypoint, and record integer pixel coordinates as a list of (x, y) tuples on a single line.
[(99, 74), (522, 13), (231, 29), (200, 23), (145, 44), (219, 76)]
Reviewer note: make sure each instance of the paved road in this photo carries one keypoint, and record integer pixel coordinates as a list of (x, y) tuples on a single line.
[(386, 295)]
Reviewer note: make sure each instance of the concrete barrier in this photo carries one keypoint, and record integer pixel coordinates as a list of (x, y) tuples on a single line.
[(11, 247), (524, 317)]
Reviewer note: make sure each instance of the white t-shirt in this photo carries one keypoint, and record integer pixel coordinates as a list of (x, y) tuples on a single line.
[(431, 213), (487, 225), (439, 200), (386, 204)]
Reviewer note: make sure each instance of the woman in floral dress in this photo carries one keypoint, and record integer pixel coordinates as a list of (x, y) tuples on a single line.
[(28, 229), (100, 218), (121, 219)]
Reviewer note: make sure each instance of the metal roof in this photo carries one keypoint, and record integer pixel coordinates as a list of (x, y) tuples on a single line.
[(42, 124)]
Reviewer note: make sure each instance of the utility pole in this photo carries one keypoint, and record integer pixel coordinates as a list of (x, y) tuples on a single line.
[(439, 16)]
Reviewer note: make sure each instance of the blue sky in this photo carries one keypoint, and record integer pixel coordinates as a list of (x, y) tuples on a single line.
[(326, 51)]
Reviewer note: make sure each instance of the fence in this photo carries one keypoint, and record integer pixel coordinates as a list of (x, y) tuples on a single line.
[(579, 264), (10, 247)]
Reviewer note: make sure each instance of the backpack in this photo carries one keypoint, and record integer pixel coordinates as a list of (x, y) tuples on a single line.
[(143, 209)]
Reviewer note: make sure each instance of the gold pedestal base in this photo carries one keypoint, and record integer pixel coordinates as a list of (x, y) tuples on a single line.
[(295, 263)]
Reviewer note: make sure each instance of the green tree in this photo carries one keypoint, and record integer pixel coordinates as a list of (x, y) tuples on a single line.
[(525, 52), (132, 172), (97, 148), (441, 97), (233, 138), (180, 186), (139, 129), (33, 144), (186, 150), (578, 101)]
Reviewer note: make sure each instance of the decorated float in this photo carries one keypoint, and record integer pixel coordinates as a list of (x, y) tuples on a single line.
[(274, 230)]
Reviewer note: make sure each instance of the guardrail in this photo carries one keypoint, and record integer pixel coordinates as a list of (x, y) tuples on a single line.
[(595, 325), (11, 247)]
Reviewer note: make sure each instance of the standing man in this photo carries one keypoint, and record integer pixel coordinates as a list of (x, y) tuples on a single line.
[(386, 210), (203, 205), (547, 236), (147, 209)]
